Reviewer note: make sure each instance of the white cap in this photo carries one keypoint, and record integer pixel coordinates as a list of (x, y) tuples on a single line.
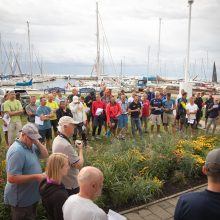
[(65, 120), (75, 99)]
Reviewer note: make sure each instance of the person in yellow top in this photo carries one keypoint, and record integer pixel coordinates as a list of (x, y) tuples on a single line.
[(53, 106), (14, 109)]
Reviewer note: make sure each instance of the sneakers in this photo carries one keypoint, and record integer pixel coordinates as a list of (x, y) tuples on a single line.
[(93, 138), (159, 135)]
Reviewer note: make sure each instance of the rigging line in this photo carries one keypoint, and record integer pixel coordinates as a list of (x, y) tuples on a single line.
[(9, 63), (108, 48), (16, 59)]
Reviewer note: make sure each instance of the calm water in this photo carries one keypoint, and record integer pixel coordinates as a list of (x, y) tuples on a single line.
[(57, 83)]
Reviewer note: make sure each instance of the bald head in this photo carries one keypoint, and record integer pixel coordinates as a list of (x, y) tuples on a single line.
[(50, 97), (90, 181)]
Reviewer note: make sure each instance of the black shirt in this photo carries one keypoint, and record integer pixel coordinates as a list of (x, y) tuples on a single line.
[(156, 103), (198, 206), (60, 113), (53, 197), (209, 102), (199, 102), (214, 113), (133, 106)]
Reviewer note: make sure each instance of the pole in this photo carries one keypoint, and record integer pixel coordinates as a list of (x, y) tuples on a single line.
[(158, 53), (98, 46), (1, 58), (188, 43), (29, 47), (148, 60)]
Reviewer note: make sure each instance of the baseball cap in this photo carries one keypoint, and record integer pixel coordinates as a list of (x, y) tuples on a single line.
[(75, 99), (213, 161), (31, 131), (65, 120)]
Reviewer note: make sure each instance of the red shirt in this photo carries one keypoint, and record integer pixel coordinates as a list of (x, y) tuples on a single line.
[(146, 108), (96, 105), (113, 111)]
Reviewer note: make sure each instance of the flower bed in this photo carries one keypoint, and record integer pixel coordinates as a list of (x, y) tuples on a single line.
[(135, 171)]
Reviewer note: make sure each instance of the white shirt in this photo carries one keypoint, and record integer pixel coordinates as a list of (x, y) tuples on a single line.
[(191, 108), (78, 111), (77, 207)]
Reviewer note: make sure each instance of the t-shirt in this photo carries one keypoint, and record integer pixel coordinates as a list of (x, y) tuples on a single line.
[(53, 106), (198, 206), (199, 102), (44, 110), (62, 145), (124, 107), (21, 160), (146, 108), (156, 103), (214, 113), (169, 104), (31, 108), (11, 106), (77, 207), (191, 108), (181, 106), (134, 106)]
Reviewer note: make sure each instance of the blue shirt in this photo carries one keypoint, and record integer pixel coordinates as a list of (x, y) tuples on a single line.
[(169, 104), (198, 206), (21, 160), (44, 110)]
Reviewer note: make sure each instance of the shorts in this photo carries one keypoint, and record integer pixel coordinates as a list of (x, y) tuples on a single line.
[(182, 119), (54, 124), (155, 119), (206, 114), (122, 121), (213, 121), (192, 124), (168, 118), (115, 121), (45, 134)]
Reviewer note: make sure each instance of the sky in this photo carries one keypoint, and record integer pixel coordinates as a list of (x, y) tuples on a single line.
[(63, 35)]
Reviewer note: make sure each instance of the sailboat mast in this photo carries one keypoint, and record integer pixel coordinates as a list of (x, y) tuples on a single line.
[(158, 53), (148, 60), (29, 47), (1, 58), (98, 43)]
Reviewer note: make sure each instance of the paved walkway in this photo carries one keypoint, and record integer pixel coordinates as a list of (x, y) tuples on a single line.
[(160, 209)]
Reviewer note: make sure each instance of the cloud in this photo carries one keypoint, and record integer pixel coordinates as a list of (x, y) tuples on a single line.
[(65, 31)]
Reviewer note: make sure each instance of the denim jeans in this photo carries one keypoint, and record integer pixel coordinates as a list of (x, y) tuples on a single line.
[(136, 122)]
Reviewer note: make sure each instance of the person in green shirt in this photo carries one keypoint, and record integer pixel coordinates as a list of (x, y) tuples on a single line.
[(14, 109)]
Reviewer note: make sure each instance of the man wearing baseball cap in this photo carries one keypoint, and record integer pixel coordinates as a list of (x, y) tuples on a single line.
[(62, 144), (24, 173), (203, 205)]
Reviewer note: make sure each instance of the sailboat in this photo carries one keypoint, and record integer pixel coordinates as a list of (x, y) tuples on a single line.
[(29, 83)]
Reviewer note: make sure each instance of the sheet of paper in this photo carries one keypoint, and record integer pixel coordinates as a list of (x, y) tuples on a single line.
[(38, 121), (6, 119), (115, 216), (99, 111)]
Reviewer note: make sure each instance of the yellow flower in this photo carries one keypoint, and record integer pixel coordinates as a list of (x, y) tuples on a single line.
[(158, 182)]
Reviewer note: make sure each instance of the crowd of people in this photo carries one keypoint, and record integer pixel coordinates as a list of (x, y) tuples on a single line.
[(111, 114), (67, 188)]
